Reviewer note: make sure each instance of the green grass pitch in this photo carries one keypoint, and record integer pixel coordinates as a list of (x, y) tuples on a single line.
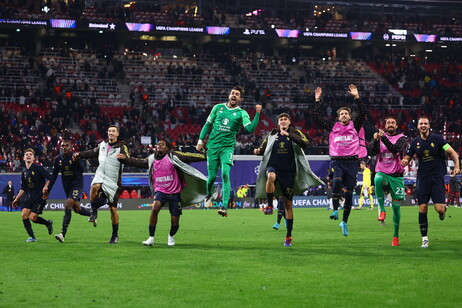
[(238, 261)]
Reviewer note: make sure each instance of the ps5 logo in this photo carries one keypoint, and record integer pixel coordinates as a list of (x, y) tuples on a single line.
[(253, 32)]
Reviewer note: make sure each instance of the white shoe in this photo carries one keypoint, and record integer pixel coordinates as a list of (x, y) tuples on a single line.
[(424, 243), (149, 241), (171, 240), (60, 237)]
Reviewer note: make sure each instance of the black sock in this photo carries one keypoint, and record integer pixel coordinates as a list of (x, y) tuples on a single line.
[(84, 211), (66, 221), (28, 227), (347, 205), (174, 229), (115, 230), (335, 201), (423, 222), (152, 230), (269, 199), (279, 217), (41, 220), (94, 207), (290, 223)]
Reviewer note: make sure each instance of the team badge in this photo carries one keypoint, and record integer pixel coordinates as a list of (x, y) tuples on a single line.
[(432, 144), (234, 114), (225, 121)]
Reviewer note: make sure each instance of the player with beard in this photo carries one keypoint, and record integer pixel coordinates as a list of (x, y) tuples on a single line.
[(389, 146), (224, 122), (344, 150), (430, 149)]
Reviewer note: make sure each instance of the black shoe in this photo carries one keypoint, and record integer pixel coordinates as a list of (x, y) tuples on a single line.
[(92, 218), (114, 239), (50, 227), (223, 212)]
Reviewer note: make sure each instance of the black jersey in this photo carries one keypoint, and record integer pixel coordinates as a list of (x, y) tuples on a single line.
[(431, 155), (71, 172), (32, 182), (282, 154)]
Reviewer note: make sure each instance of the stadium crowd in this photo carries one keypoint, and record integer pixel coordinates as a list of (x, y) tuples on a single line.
[(73, 92), (46, 110)]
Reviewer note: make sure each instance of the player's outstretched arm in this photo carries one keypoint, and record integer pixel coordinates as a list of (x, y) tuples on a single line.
[(253, 125), (133, 162)]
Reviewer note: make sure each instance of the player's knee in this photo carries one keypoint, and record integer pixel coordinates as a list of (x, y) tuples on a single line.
[(378, 180), (271, 177), (225, 177), (69, 206)]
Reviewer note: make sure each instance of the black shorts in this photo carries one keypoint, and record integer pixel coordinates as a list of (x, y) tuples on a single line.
[(431, 188), (347, 170), (35, 206), (75, 193), (173, 200), (286, 181)]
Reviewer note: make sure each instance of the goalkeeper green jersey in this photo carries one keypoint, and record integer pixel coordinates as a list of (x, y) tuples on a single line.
[(225, 123)]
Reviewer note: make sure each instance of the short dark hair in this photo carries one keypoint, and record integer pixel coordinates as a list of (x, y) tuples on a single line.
[(240, 89), (343, 108), (113, 125), (392, 117), (423, 117), (284, 115)]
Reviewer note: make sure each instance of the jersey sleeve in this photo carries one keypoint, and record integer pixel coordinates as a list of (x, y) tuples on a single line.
[(245, 118), (44, 172), (54, 174), (208, 123), (441, 142), (250, 126), (411, 151)]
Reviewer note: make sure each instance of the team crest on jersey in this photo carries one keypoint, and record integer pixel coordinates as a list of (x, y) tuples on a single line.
[(432, 144), (234, 114), (33, 173), (225, 121), (282, 145), (70, 162), (66, 168)]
